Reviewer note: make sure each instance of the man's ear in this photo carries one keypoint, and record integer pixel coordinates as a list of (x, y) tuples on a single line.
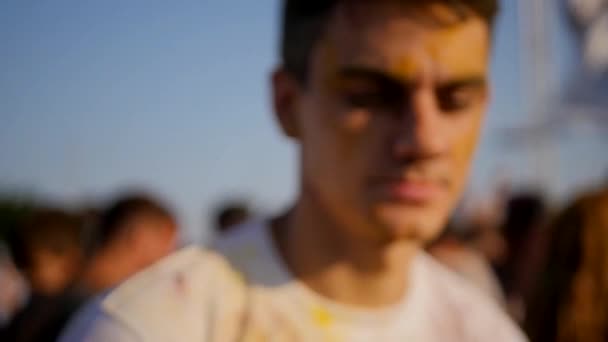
[(285, 92)]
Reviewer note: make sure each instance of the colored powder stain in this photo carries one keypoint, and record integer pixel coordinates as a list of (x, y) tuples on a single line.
[(407, 68), (181, 285), (321, 317)]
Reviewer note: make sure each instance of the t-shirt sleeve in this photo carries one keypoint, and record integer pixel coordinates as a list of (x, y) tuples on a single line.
[(192, 296), (93, 325), (493, 324)]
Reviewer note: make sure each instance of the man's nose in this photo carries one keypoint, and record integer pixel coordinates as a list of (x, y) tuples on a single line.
[(421, 130)]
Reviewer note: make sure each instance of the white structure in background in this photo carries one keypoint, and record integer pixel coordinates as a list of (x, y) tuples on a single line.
[(537, 85), (577, 108), (592, 18), (588, 92)]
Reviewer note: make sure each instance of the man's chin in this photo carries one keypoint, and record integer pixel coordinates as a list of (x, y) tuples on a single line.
[(409, 224)]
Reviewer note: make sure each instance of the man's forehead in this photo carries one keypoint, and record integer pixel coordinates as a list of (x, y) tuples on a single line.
[(407, 49)]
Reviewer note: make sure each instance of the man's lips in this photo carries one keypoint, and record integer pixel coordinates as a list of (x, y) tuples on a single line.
[(410, 190)]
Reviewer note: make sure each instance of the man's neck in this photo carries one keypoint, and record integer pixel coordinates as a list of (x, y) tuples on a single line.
[(348, 270)]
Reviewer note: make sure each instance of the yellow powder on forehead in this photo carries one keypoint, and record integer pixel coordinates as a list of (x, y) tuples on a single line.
[(439, 60), (457, 57), (407, 67), (438, 51), (447, 52)]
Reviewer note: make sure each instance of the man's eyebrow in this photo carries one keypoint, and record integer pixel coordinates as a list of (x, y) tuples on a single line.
[(358, 72), (472, 81)]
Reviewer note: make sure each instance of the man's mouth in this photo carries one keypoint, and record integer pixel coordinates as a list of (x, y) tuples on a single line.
[(413, 191)]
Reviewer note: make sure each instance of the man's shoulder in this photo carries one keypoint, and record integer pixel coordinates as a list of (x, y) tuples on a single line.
[(83, 320), (184, 267), (459, 302), (451, 284), (171, 299)]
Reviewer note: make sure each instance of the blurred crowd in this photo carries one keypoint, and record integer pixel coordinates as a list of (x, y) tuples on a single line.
[(65, 257), (546, 266)]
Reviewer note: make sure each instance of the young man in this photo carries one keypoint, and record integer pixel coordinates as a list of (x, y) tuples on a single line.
[(385, 100)]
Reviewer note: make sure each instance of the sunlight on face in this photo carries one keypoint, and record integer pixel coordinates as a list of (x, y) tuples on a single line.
[(391, 116)]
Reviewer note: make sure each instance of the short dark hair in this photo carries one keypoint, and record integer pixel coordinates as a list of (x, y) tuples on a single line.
[(113, 220), (229, 215), (305, 20), (49, 229), (523, 213)]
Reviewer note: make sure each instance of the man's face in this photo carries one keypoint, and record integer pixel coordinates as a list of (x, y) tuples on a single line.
[(390, 115)]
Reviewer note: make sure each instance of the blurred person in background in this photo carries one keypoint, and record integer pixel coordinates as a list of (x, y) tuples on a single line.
[(132, 233), (489, 240), (385, 100), (570, 303), (456, 249), (47, 248), (472, 243), (231, 214), (13, 288), (484, 219), (525, 235)]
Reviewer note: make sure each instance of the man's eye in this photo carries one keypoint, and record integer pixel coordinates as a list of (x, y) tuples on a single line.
[(453, 100), (370, 100), (364, 100)]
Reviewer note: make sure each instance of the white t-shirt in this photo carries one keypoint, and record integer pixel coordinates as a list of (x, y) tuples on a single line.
[(244, 292)]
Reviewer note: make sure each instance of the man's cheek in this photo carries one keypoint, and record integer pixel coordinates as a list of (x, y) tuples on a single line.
[(465, 146), (461, 163)]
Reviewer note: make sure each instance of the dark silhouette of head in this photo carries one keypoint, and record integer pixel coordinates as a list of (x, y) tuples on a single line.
[(132, 233), (229, 215), (47, 247)]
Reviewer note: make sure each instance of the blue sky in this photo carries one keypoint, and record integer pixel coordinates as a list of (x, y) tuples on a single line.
[(172, 96)]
